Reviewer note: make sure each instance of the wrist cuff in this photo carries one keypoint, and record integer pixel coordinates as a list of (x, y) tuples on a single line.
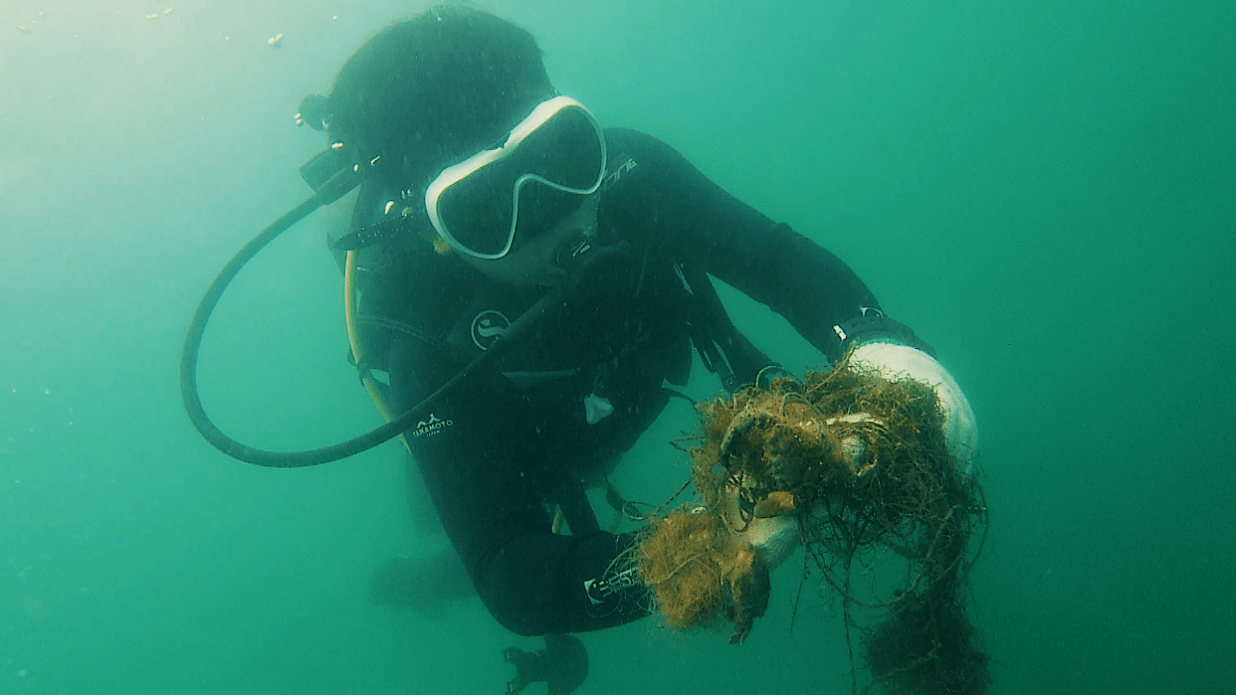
[(871, 327)]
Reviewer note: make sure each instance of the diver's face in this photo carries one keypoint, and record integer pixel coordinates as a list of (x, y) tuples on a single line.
[(533, 263)]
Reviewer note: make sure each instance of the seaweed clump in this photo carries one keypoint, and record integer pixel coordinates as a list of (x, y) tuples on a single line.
[(861, 464), (698, 570)]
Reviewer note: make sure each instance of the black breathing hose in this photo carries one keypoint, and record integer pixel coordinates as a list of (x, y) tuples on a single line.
[(313, 457)]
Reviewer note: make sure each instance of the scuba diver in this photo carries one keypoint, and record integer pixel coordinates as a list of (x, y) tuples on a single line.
[(534, 286), (497, 190)]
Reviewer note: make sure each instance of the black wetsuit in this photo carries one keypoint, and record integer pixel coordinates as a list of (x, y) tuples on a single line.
[(518, 436)]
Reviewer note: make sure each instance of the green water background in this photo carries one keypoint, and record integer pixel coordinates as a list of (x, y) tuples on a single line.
[(1045, 191)]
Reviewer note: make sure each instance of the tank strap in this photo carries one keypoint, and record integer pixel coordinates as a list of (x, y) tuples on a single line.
[(725, 350)]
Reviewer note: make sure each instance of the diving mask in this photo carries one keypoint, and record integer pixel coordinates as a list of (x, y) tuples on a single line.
[(529, 182)]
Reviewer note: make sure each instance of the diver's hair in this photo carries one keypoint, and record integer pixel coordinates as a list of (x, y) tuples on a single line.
[(429, 90)]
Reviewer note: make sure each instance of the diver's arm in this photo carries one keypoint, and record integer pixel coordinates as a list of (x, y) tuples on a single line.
[(472, 451), (768, 261), (818, 293)]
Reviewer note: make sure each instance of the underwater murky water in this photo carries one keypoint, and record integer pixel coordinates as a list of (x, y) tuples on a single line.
[(1043, 191)]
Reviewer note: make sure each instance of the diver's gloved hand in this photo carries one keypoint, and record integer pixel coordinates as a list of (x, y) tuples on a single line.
[(894, 360), (769, 525)]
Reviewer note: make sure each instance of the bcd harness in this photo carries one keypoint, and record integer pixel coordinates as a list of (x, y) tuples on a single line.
[(724, 350)]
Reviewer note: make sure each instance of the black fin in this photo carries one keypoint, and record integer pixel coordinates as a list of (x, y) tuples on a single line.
[(565, 662), (528, 669)]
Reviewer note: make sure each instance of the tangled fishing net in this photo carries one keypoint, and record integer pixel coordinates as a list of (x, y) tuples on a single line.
[(859, 462)]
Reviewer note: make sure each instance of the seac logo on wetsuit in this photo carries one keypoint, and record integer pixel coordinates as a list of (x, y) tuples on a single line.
[(616, 173), (605, 593), (487, 327)]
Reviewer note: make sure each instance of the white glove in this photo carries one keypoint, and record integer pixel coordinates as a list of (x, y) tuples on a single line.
[(894, 360), (773, 530)]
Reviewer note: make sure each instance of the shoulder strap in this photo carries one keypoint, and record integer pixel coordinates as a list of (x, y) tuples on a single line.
[(725, 350)]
